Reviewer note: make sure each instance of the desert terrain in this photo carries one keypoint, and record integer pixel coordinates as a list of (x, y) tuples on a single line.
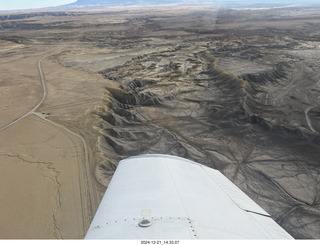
[(237, 90)]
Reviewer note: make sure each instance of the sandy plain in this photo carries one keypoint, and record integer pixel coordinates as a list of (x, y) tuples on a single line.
[(235, 90), (43, 176)]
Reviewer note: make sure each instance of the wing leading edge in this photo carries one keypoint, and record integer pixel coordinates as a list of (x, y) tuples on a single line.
[(168, 197)]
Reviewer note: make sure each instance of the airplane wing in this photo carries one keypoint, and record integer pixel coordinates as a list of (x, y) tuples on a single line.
[(168, 197)]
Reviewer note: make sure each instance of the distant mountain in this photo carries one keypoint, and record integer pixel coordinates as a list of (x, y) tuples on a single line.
[(123, 2), (261, 3)]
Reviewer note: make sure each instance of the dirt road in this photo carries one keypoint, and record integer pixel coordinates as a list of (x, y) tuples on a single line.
[(45, 180)]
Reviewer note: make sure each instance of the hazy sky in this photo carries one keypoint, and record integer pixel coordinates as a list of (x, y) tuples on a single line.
[(26, 4)]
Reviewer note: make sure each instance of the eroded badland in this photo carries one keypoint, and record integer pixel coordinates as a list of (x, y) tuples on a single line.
[(236, 90)]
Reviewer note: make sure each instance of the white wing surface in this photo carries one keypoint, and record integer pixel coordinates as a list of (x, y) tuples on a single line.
[(167, 197)]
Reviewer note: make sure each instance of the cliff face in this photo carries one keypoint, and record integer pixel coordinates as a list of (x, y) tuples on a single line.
[(177, 102)]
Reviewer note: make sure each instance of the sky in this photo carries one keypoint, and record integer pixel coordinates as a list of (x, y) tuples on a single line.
[(27, 4)]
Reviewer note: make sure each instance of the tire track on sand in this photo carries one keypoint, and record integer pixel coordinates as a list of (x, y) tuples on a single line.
[(87, 192)]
